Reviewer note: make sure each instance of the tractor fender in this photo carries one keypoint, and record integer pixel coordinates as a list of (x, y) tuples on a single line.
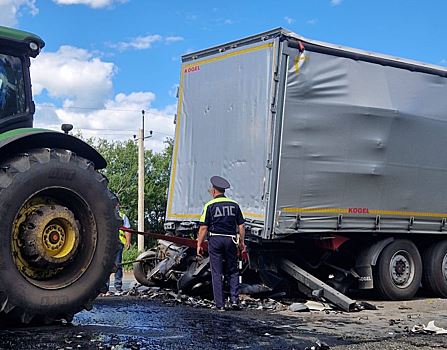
[(22, 140), (366, 260)]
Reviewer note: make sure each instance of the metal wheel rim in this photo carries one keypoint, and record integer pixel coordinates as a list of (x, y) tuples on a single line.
[(52, 278), (149, 264), (402, 269), (444, 266)]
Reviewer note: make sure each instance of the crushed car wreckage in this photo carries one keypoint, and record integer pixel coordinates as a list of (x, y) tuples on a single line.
[(172, 263)]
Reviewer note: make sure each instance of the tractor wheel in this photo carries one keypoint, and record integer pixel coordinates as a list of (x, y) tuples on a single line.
[(435, 269), (58, 236), (141, 268), (398, 272)]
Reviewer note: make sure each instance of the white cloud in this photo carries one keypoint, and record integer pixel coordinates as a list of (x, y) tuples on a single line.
[(138, 43), (444, 61), (10, 10), (46, 116), (228, 21), (120, 119), (80, 87), (190, 17), (173, 91), (336, 2), (91, 3), (144, 42), (174, 39), (312, 21), (289, 20), (74, 75)]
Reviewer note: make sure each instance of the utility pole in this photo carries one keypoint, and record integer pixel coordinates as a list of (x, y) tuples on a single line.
[(140, 139), (141, 184)]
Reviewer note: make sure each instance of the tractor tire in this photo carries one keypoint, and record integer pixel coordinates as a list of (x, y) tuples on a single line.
[(58, 236), (434, 260), (398, 272), (141, 268)]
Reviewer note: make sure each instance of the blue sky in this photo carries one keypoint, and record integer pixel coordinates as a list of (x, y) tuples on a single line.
[(126, 54)]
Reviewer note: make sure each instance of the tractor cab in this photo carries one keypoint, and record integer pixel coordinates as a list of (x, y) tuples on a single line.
[(16, 103)]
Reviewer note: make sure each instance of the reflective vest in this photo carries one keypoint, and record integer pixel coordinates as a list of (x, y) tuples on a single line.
[(222, 216), (122, 234)]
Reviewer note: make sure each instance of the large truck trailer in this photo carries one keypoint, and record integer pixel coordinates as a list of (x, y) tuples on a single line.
[(334, 154)]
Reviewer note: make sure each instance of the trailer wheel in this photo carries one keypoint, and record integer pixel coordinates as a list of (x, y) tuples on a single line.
[(398, 271), (58, 236), (435, 269), (141, 268)]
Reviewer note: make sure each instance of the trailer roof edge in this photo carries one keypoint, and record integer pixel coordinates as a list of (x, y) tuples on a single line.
[(324, 47)]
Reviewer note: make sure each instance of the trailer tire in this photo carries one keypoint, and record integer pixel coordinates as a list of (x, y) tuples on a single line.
[(434, 276), (141, 268), (398, 272), (58, 236)]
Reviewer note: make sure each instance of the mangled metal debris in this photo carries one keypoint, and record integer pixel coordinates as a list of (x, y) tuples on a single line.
[(170, 296), (430, 328), (310, 306), (298, 307), (319, 345), (167, 295)]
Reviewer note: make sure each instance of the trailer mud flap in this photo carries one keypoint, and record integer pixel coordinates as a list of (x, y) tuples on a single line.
[(366, 260), (313, 287)]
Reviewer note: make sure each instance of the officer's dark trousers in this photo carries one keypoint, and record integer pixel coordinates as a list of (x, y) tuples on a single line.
[(223, 259)]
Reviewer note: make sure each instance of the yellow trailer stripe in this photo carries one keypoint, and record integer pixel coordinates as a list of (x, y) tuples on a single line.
[(370, 211), (197, 216), (230, 54)]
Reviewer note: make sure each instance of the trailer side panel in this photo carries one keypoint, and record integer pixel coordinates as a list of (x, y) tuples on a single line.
[(222, 129), (361, 141)]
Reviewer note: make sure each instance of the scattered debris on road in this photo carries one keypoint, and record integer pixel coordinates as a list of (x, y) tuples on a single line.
[(430, 328), (310, 306), (273, 302), (318, 346)]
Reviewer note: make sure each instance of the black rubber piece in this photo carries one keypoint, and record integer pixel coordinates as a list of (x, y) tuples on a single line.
[(67, 179), (433, 278), (382, 277), (194, 285)]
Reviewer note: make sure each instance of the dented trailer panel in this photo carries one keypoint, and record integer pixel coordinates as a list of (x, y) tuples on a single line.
[(361, 140), (313, 137)]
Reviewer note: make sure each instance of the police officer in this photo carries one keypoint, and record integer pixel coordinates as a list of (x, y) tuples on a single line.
[(221, 218)]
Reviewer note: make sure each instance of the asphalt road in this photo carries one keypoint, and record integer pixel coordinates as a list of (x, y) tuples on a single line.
[(139, 323), (131, 323), (135, 323)]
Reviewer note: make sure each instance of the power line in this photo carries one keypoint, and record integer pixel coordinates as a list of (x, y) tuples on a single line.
[(120, 130), (95, 108)]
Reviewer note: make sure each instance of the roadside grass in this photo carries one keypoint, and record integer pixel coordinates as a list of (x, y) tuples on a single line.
[(130, 254)]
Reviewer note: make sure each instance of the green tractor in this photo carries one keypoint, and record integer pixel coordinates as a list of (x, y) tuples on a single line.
[(58, 219)]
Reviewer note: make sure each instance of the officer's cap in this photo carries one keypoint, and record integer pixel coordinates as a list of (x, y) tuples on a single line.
[(220, 183)]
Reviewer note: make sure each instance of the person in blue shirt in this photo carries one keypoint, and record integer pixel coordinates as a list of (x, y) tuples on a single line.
[(222, 218)]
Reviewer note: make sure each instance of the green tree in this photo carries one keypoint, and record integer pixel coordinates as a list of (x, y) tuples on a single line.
[(157, 173), (122, 172)]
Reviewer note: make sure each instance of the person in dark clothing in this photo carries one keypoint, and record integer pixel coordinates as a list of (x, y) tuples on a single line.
[(222, 218)]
